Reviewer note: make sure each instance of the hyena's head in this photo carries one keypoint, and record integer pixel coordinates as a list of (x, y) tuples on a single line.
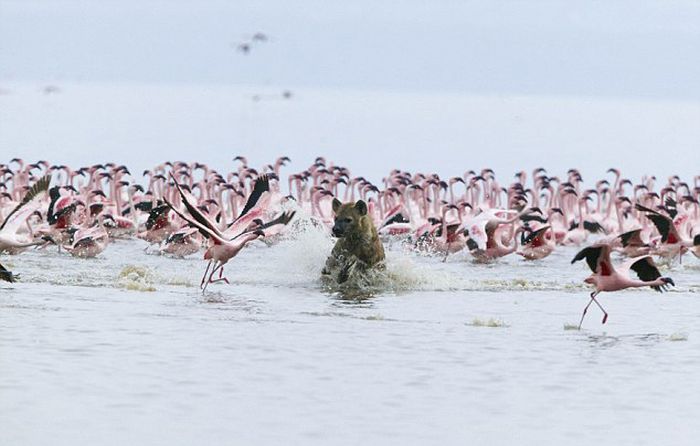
[(348, 217)]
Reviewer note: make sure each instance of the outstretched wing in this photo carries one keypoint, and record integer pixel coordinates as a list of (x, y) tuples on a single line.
[(646, 270), (663, 224), (598, 259), (283, 219), (591, 254), (36, 190), (631, 238), (196, 213), (262, 184), (202, 228)]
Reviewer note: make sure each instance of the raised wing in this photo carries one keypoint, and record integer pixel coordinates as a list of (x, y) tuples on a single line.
[(34, 193), (598, 259), (262, 184), (196, 213), (202, 228), (663, 224), (632, 238), (283, 219)]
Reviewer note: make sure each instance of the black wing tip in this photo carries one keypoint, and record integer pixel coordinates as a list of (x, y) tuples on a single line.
[(580, 255), (289, 216), (7, 276)]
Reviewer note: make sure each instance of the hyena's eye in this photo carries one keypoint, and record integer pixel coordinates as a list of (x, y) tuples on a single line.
[(347, 220)]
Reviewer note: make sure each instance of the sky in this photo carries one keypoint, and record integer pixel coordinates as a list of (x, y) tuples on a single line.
[(641, 54), (608, 48)]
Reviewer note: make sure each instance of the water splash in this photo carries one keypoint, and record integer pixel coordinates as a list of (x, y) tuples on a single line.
[(135, 278)]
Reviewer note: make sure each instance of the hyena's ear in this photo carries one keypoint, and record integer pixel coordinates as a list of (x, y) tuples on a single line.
[(336, 205), (361, 207)]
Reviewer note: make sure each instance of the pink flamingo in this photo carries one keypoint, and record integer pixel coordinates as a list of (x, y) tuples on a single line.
[(222, 249), (606, 278)]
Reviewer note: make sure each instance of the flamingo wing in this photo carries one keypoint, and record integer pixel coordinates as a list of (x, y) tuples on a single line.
[(206, 231), (283, 219), (6, 275), (397, 217), (155, 214), (535, 235), (663, 224), (631, 238), (11, 225), (262, 184), (42, 185), (196, 213), (84, 242), (670, 206), (598, 259), (646, 270), (533, 217)]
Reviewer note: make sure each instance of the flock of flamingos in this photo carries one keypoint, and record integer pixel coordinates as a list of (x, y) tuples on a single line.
[(185, 208)]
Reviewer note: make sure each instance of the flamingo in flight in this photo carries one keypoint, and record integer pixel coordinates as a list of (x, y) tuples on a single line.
[(223, 249), (605, 277)]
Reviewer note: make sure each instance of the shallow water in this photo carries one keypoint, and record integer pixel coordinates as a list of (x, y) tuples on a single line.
[(124, 349)]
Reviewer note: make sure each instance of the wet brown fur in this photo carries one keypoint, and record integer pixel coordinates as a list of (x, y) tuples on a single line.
[(359, 246)]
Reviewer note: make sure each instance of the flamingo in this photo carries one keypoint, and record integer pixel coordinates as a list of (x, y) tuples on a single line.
[(606, 278), (183, 242), (222, 248), (537, 245), (672, 243), (88, 242), (9, 238)]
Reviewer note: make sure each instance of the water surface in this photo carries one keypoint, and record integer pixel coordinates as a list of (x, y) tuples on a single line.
[(124, 349)]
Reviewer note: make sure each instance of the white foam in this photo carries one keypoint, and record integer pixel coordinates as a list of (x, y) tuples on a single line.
[(678, 336), (136, 278), (490, 322)]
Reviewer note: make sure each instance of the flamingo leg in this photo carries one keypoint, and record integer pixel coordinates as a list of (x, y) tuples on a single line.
[(210, 275), (221, 273), (593, 295), (201, 284), (605, 313)]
